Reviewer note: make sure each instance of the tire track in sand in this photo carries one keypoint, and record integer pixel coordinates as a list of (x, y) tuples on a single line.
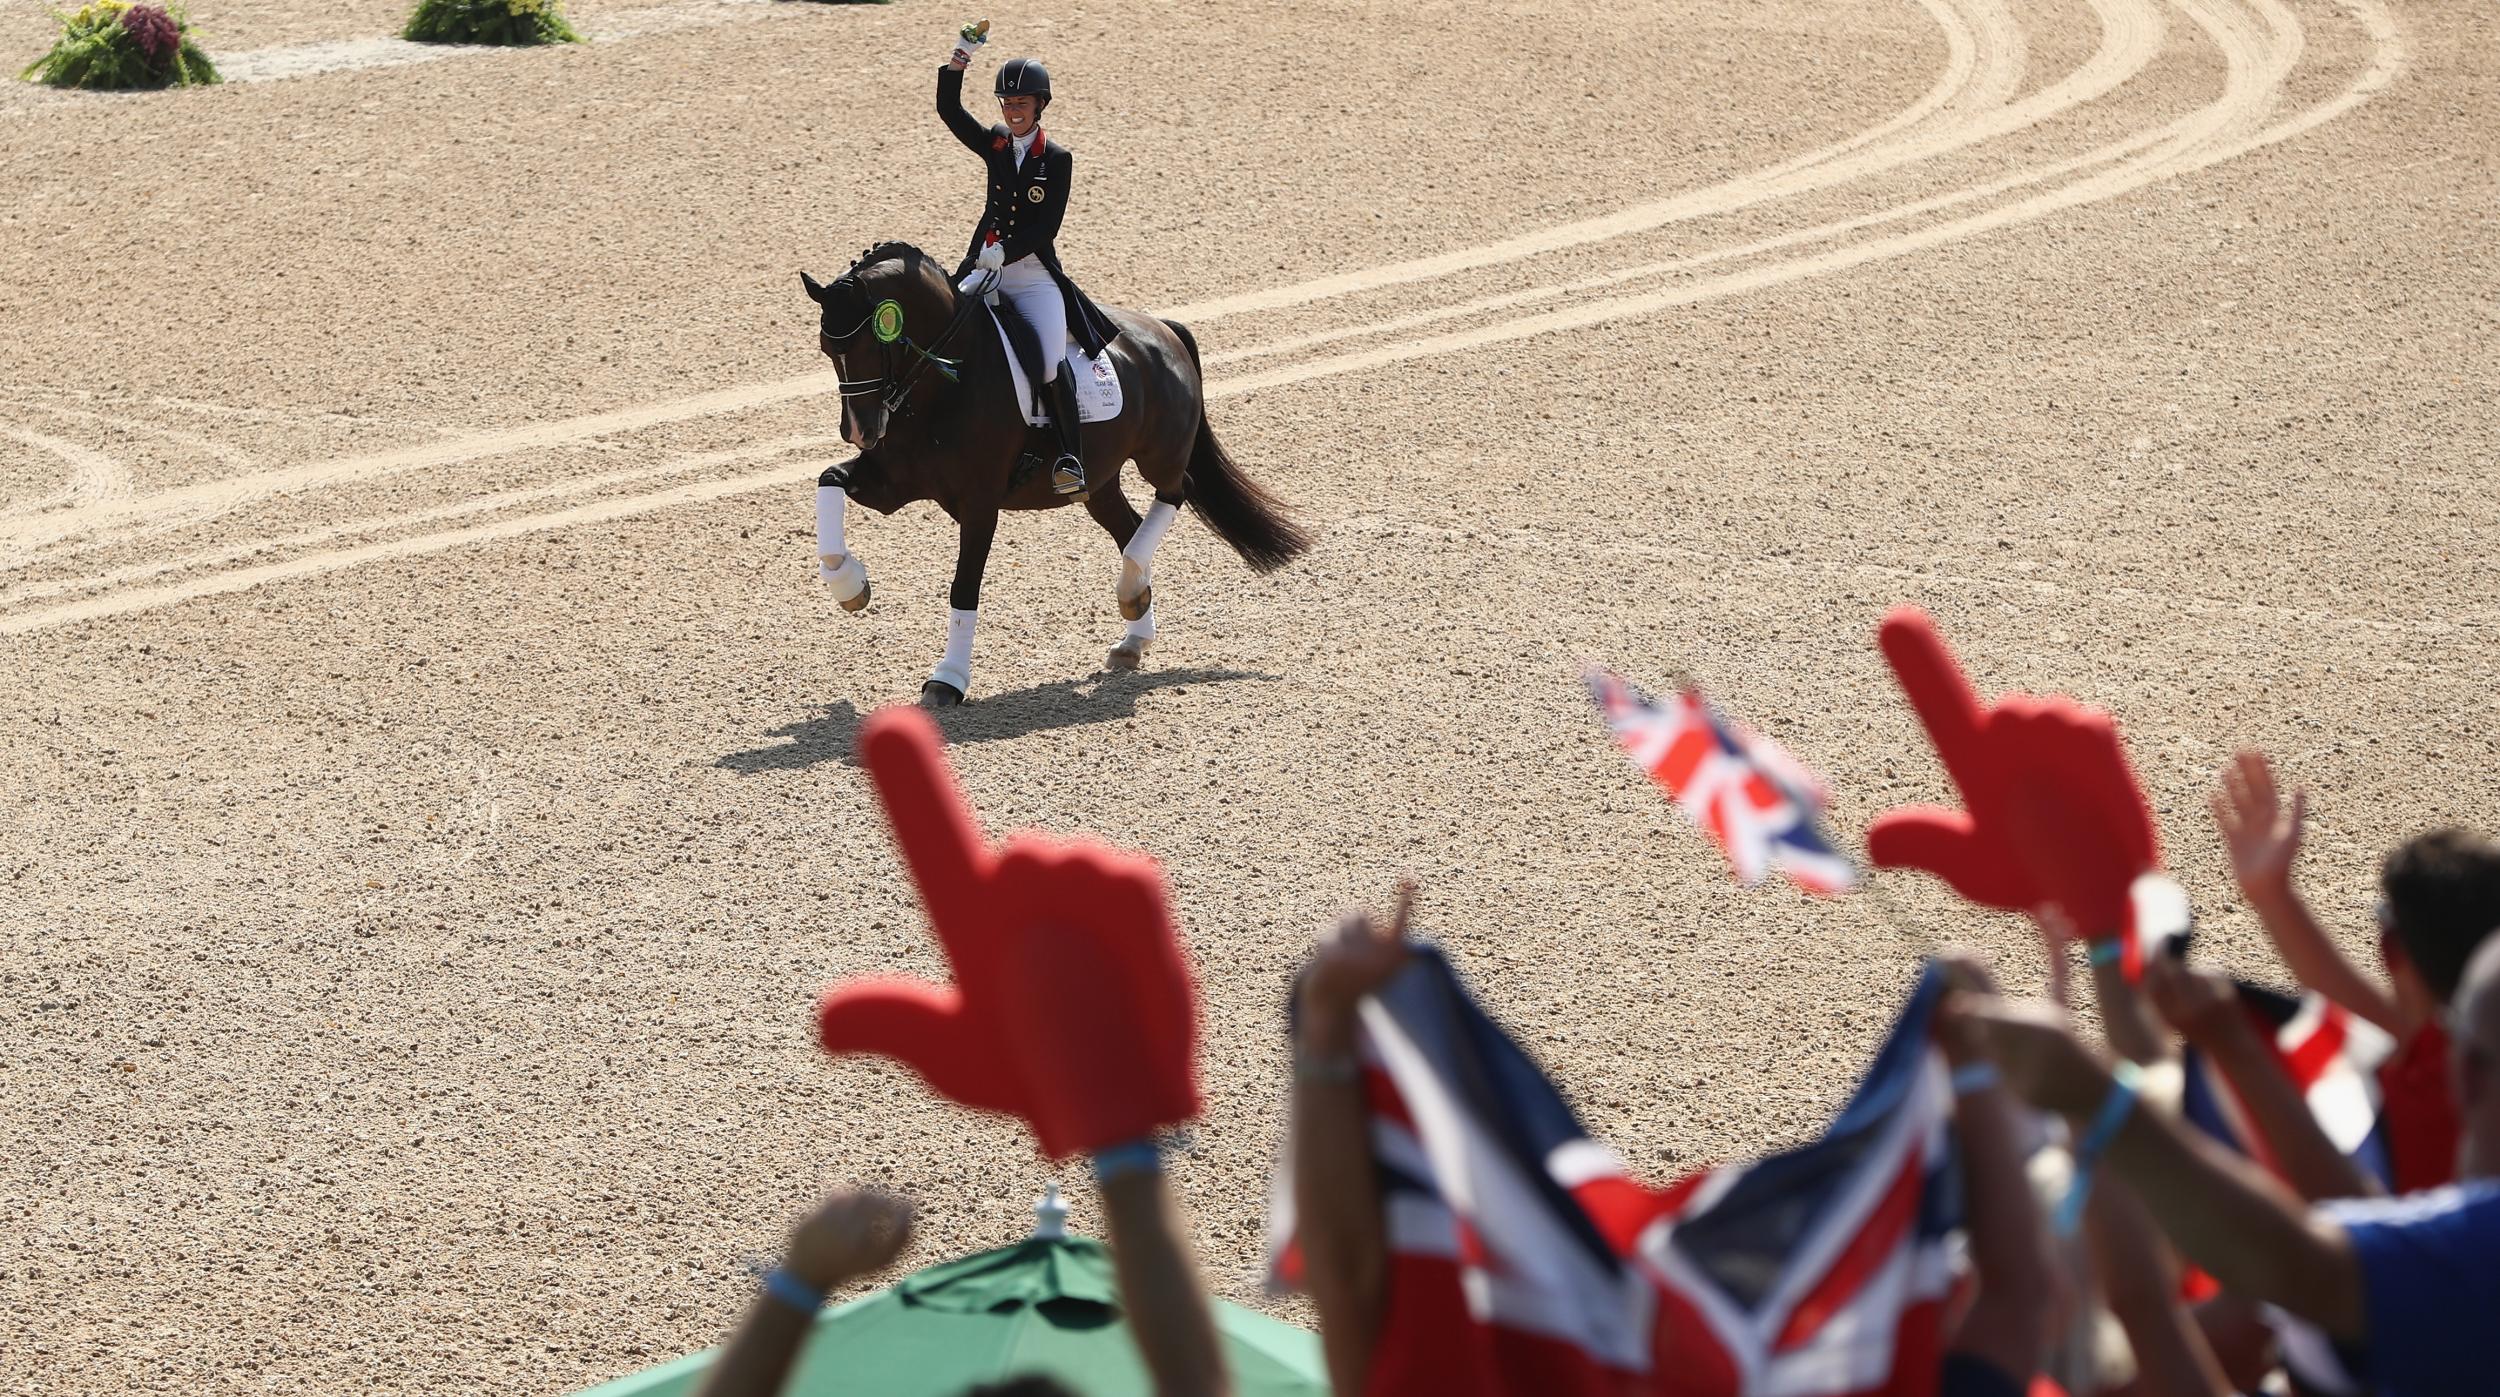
[(481, 504), (189, 503), (2132, 32), (1984, 53), (2260, 43), (95, 479), (1648, 271), (1984, 63), (2254, 72)]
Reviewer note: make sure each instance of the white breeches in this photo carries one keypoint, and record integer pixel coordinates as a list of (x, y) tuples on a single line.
[(1028, 286)]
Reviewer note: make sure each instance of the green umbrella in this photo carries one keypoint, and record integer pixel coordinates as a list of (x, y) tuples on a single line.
[(1048, 1304)]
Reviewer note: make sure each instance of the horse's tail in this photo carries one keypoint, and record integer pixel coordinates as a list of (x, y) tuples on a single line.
[(1242, 514)]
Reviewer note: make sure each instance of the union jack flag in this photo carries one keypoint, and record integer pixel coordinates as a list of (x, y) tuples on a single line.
[(2331, 1056), (1525, 1260), (1739, 786)]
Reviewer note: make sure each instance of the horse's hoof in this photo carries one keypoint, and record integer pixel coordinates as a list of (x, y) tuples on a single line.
[(937, 693), (1127, 655), (1133, 607), (848, 582)]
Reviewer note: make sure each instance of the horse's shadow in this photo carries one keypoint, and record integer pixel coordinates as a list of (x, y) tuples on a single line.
[(1066, 703)]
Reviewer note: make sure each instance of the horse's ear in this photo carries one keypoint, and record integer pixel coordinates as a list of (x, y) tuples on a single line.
[(814, 292)]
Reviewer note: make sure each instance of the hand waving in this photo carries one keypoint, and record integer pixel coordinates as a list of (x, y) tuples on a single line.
[(2262, 836), (2051, 811), (1072, 1008)]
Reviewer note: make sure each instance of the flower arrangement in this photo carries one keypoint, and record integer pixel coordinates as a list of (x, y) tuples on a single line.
[(121, 44), (489, 22)]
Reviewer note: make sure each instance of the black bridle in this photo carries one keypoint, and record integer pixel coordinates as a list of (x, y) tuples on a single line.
[(893, 392)]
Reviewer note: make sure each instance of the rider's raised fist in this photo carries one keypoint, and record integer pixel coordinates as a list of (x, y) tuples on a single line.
[(968, 41)]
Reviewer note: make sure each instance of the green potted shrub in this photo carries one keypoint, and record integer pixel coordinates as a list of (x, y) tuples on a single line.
[(489, 22), (118, 44)]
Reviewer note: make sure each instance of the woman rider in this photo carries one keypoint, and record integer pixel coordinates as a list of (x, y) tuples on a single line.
[(1028, 193)]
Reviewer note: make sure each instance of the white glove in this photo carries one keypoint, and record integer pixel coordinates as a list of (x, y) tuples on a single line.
[(976, 281), (967, 43), (993, 256)]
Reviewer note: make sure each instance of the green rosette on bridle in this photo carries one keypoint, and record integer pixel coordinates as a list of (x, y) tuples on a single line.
[(886, 323)]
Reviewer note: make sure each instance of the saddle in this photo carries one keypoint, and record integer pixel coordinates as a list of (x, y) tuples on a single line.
[(1098, 393)]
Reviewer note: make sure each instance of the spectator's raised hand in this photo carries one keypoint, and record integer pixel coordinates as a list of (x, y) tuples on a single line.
[(848, 1236), (1962, 1040), (2261, 834), (2036, 1048), (2051, 811), (1363, 955), (1072, 1007), (2201, 1005)]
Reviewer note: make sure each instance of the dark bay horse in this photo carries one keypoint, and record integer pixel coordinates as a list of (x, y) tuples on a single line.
[(929, 400)]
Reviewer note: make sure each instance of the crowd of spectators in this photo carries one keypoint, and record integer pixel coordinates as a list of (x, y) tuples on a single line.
[(2195, 1268)]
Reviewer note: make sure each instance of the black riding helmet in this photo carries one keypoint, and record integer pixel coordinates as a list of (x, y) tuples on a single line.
[(1024, 77)]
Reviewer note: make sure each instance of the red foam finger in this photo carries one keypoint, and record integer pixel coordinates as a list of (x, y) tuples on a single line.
[(924, 1027), (1142, 940), (1937, 690), (939, 835), (2076, 821), (1104, 1016), (2121, 794), (1945, 843)]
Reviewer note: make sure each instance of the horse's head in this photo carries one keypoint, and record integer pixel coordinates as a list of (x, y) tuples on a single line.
[(873, 316)]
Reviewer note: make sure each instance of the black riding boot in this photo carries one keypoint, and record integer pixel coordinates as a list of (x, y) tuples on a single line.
[(1067, 474)]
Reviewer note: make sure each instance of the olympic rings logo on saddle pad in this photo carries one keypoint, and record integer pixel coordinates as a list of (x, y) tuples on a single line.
[(887, 320)]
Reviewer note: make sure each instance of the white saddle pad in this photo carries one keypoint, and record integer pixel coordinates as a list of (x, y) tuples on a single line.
[(1098, 397)]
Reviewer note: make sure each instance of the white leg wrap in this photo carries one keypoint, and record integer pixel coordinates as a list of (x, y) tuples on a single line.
[(1142, 629), (1149, 536), (835, 567), (1137, 560), (956, 667), (831, 500)]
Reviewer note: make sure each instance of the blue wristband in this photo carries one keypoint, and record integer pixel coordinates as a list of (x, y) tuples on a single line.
[(2115, 1108), (793, 1292), (2106, 953), (1975, 1076), (1135, 1157)]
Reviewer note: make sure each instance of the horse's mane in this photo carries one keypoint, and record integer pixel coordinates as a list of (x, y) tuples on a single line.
[(910, 256)]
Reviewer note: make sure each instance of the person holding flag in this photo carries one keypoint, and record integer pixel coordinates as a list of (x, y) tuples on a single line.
[(2404, 1288), (1460, 1234)]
